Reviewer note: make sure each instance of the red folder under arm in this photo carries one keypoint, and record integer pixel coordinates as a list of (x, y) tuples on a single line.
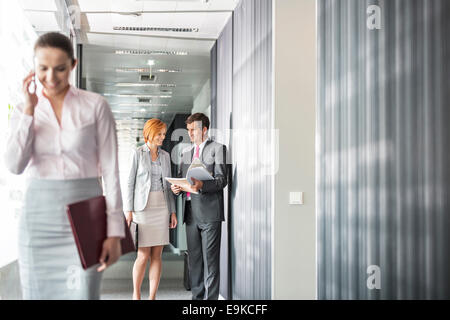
[(88, 221)]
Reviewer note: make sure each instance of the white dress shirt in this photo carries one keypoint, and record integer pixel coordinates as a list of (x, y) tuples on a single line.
[(83, 146)]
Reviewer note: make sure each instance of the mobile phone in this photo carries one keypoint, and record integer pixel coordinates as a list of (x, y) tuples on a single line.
[(33, 88)]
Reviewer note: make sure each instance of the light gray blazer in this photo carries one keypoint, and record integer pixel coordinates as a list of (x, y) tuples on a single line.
[(139, 180)]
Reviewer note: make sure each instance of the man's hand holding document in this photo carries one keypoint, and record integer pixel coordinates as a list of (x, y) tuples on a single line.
[(196, 171)]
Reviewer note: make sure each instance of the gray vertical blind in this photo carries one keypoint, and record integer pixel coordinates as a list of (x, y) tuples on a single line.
[(383, 154), (252, 124), (242, 102), (213, 55), (221, 109)]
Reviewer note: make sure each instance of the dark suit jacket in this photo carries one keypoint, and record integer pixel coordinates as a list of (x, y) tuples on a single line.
[(207, 205)]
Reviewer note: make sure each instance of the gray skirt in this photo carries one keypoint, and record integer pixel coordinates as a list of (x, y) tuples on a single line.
[(49, 263), (153, 221)]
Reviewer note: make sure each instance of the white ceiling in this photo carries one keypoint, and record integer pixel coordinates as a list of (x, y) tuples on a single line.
[(41, 5), (164, 5), (95, 32)]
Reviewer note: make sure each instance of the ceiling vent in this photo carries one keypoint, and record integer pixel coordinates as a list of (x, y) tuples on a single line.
[(144, 100), (147, 77), (157, 29), (152, 52)]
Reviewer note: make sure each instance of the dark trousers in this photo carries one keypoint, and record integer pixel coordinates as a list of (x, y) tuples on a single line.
[(203, 244)]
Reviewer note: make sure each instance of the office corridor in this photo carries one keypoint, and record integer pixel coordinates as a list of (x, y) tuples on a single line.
[(333, 113)]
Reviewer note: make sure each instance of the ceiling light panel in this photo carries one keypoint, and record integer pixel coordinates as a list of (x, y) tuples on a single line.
[(143, 104), (151, 45), (146, 70), (137, 95), (133, 70), (172, 70), (162, 85)]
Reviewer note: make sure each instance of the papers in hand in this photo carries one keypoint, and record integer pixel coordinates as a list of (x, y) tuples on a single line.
[(197, 170), (182, 182)]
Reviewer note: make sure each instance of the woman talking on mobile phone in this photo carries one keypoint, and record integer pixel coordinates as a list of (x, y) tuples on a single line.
[(64, 139)]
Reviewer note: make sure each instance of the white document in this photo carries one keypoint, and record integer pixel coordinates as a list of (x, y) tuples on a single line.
[(197, 170)]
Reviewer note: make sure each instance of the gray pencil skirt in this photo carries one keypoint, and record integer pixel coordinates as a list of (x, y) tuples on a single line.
[(49, 263), (153, 221)]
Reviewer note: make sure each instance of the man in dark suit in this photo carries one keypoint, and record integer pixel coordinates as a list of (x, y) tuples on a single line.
[(203, 211)]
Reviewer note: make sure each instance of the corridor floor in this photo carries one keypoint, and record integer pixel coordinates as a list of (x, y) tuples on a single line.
[(122, 289)]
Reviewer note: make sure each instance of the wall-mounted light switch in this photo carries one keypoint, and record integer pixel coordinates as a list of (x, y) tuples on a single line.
[(296, 198)]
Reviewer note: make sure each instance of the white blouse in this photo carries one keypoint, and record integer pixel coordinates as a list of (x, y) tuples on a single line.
[(84, 146)]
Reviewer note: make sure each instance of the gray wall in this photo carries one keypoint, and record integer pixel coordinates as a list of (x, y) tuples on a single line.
[(383, 149), (294, 85)]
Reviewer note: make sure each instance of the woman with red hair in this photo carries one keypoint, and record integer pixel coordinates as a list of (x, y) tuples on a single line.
[(150, 204)]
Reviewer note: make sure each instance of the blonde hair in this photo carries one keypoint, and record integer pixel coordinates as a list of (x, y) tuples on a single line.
[(151, 128)]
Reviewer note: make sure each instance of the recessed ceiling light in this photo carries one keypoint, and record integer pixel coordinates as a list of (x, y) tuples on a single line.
[(133, 70), (167, 70), (136, 95), (143, 105), (146, 70), (129, 111), (152, 52), (163, 85), (151, 62), (157, 29)]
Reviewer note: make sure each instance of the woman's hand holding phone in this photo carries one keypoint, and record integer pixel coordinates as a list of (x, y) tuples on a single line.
[(31, 98)]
